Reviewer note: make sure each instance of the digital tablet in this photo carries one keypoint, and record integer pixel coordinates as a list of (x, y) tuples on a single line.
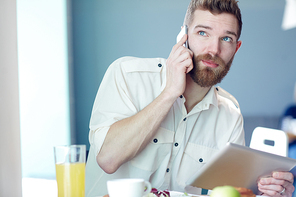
[(240, 166)]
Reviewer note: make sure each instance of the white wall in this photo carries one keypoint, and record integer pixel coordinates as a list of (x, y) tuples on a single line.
[(10, 157), (44, 89)]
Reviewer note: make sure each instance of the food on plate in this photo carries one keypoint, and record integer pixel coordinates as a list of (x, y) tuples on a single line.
[(225, 191), (245, 192), (158, 193)]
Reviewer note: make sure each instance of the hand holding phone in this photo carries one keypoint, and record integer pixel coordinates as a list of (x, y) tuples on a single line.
[(183, 31)]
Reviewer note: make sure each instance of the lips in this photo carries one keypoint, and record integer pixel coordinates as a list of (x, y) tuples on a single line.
[(210, 63)]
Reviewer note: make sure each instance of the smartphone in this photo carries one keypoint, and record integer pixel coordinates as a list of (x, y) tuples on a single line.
[(183, 31)]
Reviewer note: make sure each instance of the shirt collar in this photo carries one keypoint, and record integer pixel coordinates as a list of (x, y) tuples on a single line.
[(209, 99)]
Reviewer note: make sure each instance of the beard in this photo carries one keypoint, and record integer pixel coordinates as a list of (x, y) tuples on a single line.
[(206, 76)]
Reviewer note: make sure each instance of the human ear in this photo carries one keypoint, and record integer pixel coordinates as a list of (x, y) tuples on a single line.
[(238, 45)]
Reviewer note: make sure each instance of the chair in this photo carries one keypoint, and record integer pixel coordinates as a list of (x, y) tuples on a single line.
[(270, 140)]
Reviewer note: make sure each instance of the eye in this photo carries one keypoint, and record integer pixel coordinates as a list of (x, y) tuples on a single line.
[(202, 33), (227, 39)]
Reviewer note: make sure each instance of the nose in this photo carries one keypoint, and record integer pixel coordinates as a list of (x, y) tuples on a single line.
[(214, 47)]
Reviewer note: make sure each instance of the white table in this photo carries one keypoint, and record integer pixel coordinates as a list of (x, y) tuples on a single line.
[(34, 187)]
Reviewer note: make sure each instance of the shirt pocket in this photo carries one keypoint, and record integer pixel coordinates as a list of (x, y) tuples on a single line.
[(159, 147), (194, 158)]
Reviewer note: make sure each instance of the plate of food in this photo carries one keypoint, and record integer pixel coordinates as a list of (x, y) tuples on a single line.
[(220, 191)]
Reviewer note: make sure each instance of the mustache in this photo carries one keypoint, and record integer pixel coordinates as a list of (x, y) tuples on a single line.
[(216, 59)]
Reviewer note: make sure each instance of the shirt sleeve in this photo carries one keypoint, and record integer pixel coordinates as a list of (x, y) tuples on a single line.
[(112, 103), (238, 134)]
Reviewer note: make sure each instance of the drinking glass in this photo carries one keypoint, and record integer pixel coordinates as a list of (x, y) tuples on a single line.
[(70, 170)]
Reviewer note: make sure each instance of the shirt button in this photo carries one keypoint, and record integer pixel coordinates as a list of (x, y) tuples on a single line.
[(184, 119), (167, 170), (159, 65), (176, 144), (200, 160), (155, 140)]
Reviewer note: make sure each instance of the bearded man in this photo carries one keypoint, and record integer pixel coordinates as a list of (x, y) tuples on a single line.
[(162, 120)]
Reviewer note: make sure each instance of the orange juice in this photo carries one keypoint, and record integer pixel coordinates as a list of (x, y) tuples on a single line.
[(71, 179)]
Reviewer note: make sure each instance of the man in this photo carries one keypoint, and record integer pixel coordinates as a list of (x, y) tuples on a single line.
[(162, 120)]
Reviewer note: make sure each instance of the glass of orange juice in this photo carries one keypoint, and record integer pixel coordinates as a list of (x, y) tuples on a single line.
[(70, 170)]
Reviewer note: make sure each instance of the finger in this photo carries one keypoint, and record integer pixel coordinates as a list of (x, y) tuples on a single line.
[(181, 50), (276, 188), (179, 57), (288, 176), (269, 193), (184, 55), (190, 67), (276, 194), (272, 189), (180, 54), (188, 61), (177, 50), (186, 65), (182, 41), (271, 181)]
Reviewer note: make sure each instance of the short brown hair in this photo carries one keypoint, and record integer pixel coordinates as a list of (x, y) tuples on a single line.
[(215, 7)]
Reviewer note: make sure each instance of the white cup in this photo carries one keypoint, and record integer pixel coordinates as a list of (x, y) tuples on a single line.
[(128, 187)]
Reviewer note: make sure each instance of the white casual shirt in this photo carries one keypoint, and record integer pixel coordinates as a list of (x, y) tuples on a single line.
[(183, 144)]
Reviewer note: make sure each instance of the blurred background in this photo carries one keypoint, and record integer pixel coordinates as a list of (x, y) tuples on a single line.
[(65, 47)]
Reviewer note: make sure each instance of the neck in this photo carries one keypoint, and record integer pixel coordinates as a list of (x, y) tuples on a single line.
[(193, 93)]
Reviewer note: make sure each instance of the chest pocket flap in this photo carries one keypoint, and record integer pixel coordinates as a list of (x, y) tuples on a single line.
[(163, 136), (155, 152), (201, 154)]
